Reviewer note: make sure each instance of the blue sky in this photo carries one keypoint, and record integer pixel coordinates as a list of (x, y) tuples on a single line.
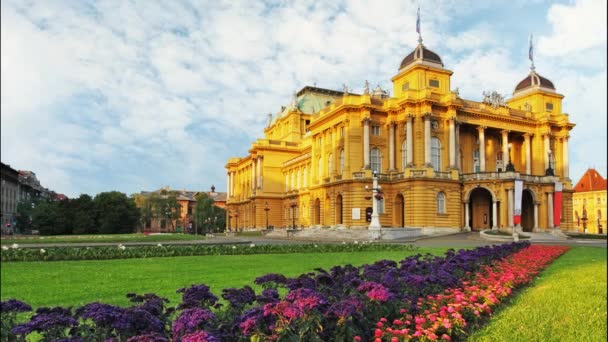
[(136, 95)]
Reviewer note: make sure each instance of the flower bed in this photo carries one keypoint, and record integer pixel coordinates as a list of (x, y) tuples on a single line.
[(339, 305), (15, 253), (448, 316)]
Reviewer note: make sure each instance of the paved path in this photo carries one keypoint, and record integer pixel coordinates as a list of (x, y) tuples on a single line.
[(465, 239)]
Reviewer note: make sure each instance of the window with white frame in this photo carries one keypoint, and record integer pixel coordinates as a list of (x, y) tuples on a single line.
[(436, 154), (441, 203), (375, 130), (341, 161), (404, 153), (330, 164), (376, 160)]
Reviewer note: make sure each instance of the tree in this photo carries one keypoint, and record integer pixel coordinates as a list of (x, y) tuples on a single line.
[(25, 209), (116, 213), (83, 215), (207, 215), (45, 217)]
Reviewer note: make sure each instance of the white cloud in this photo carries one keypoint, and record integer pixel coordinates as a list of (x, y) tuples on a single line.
[(576, 28), (134, 96)]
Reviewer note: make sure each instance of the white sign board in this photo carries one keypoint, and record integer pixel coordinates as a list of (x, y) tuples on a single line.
[(356, 213)]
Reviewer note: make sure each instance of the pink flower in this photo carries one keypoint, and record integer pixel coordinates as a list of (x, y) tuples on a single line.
[(446, 337)]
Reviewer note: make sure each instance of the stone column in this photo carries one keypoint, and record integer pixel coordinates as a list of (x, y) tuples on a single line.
[(565, 164), (391, 146), (261, 180), (505, 148), (466, 217), (535, 229), (550, 210), (410, 142), (527, 151), (494, 215), (510, 208), (547, 150), (366, 143), (252, 176), (346, 149), (452, 145), (482, 149), (228, 184), (458, 166), (427, 140)]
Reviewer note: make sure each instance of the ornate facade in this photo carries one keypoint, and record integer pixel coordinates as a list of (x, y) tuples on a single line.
[(589, 203), (442, 162)]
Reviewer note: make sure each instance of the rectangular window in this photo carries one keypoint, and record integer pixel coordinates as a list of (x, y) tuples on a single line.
[(549, 106), (375, 130), (434, 83), (405, 86)]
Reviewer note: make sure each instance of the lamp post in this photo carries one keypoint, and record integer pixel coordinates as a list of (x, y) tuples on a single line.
[(376, 195), (266, 209), (293, 204), (510, 167), (549, 171)]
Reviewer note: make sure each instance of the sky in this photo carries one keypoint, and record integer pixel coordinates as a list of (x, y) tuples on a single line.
[(136, 95)]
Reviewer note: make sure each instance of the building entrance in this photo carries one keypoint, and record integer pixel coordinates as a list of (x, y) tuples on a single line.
[(481, 209), (527, 211)]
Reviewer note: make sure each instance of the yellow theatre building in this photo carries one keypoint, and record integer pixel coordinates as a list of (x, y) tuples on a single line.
[(443, 163)]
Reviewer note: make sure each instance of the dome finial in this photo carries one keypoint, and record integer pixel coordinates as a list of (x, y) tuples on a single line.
[(531, 54), (418, 26)]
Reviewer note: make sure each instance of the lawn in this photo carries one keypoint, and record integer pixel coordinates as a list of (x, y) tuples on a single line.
[(73, 283), (566, 303), (114, 238)]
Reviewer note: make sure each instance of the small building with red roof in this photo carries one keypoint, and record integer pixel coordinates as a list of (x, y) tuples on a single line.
[(589, 203)]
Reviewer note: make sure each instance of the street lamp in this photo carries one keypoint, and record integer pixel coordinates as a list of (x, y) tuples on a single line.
[(266, 209), (549, 171), (293, 205), (510, 167), (377, 195)]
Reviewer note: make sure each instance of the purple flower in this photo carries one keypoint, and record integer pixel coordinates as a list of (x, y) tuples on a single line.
[(191, 320), (200, 336), (268, 296), (196, 296), (138, 321), (47, 320), (13, 305), (238, 298), (104, 315), (153, 337), (271, 280), (345, 308)]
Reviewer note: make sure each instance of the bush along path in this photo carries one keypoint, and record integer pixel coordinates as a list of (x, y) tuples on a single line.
[(15, 253), (346, 303)]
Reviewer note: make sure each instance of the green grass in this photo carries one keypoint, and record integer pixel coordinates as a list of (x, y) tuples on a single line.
[(566, 303), (115, 238), (74, 283)]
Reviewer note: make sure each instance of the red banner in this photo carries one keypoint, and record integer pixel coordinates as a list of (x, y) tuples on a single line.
[(557, 205)]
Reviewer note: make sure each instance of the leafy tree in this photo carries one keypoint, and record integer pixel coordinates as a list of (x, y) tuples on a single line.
[(83, 215), (116, 213), (25, 209), (207, 215), (45, 217)]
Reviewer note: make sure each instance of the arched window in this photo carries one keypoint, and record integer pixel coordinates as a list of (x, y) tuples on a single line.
[(436, 154), (404, 154), (376, 160), (341, 161), (330, 164), (441, 203)]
